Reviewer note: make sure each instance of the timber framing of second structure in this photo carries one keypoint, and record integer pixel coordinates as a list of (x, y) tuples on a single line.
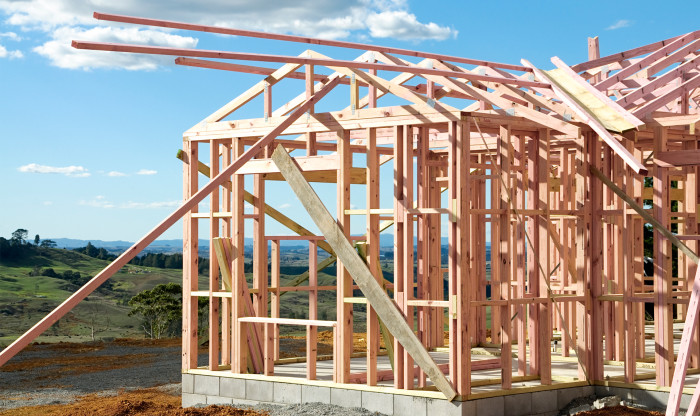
[(565, 172)]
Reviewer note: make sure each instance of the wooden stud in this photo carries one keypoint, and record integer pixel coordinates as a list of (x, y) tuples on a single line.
[(343, 345), (312, 330), (372, 252), (190, 259), (663, 313), (503, 258), (542, 222), (214, 284), (399, 225)]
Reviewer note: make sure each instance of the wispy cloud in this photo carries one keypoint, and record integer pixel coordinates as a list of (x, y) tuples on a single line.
[(404, 25), (150, 205), (101, 202), (98, 202), (116, 174), (147, 172), (4, 53), (285, 206), (61, 54), (619, 24), (10, 36), (76, 171)]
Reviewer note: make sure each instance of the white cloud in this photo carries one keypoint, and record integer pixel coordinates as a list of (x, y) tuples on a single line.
[(77, 171), (116, 174), (150, 205), (285, 206), (101, 202), (47, 203), (4, 53), (98, 202), (65, 20), (146, 172), (619, 24), (62, 55), (10, 36), (400, 24)]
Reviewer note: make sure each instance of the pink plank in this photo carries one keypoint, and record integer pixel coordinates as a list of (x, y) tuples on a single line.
[(620, 56), (249, 69), (691, 321), (659, 81), (201, 53), (661, 101), (652, 57), (300, 39), (597, 93), (171, 219)]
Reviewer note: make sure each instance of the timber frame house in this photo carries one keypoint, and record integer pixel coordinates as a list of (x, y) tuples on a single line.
[(555, 161)]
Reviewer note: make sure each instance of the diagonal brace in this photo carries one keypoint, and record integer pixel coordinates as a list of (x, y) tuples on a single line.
[(364, 278)]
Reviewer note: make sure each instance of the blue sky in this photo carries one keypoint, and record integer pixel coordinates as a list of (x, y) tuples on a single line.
[(88, 139)]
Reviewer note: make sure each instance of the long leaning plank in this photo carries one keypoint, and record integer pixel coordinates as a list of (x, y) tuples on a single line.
[(691, 321), (374, 293), (646, 216)]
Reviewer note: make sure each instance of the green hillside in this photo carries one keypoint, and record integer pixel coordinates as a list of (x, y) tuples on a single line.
[(26, 297)]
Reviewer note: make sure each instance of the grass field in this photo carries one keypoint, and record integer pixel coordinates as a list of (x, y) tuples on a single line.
[(25, 299)]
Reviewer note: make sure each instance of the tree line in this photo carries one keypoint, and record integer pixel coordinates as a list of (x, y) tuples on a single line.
[(159, 260), (20, 246)]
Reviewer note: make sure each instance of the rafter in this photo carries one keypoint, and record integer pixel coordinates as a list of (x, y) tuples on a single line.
[(201, 53), (300, 39)]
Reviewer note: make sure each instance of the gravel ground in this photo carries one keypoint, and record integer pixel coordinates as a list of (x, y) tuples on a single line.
[(61, 373), (315, 409)]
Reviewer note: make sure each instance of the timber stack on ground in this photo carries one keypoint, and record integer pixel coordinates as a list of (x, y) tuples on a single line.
[(563, 171)]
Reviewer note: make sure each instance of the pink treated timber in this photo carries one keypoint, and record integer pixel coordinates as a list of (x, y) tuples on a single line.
[(691, 322), (154, 50), (299, 39)]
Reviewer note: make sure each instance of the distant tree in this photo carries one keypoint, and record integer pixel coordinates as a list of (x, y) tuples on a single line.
[(19, 237), (48, 243), (49, 272), (91, 250), (36, 240), (160, 309), (98, 321), (4, 248)]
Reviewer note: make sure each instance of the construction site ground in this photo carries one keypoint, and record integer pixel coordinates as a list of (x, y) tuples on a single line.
[(137, 377)]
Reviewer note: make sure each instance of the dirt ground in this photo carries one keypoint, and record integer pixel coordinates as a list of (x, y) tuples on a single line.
[(142, 377), (119, 378), (148, 402), (619, 411)]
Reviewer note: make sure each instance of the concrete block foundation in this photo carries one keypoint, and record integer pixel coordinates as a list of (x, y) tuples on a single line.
[(206, 387)]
